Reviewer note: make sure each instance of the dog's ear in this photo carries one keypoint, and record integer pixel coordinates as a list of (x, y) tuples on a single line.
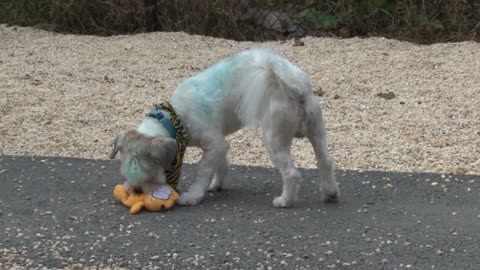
[(117, 144), (163, 151)]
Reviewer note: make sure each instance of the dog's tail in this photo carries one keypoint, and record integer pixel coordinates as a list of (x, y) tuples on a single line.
[(268, 75)]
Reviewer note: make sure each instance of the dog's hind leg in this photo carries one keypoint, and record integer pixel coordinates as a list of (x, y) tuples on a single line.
[(317, 136), (214, 150), (279, 130)]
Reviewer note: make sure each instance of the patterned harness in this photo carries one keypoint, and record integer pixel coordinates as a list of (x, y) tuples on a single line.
[(174, 126)]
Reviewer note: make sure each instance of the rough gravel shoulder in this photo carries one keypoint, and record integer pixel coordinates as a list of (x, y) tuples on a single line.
[(68, 95)]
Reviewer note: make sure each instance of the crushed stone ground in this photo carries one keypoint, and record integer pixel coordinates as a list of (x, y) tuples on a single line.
[(68, 95)]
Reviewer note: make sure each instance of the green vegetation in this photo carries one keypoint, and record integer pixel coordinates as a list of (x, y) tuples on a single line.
[(423, 21), (420, 20)]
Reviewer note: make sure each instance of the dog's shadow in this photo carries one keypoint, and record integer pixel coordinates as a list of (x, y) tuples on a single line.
[(254, 188)]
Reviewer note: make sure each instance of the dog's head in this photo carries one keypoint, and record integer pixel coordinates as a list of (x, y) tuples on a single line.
[(143, 159)]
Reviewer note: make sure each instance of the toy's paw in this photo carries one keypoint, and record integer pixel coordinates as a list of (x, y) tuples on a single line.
[(136, 208)]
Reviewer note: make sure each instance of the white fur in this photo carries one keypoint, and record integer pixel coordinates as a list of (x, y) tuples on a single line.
[(256, 88), (151, 128)]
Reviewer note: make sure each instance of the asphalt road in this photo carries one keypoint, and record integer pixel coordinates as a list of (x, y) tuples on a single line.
[(60, 212)]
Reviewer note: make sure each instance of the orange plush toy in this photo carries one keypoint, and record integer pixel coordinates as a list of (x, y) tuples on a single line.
[(163, 197)]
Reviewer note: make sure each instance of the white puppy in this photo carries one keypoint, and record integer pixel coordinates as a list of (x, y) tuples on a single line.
[(256, 88)]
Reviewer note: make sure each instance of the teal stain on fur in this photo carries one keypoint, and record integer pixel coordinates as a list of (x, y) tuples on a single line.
[(210, 83), (134, 172), (132, 168)]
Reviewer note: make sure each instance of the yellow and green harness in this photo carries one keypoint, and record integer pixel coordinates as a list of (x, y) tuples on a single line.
[(177, 131)]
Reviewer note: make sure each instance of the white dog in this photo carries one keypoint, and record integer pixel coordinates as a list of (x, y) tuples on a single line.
[(256, 88)]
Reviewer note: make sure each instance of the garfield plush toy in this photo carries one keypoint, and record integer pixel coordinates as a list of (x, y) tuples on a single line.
[(162, 198)]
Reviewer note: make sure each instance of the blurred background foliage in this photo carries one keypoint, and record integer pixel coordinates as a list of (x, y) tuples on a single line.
[(422, 21)]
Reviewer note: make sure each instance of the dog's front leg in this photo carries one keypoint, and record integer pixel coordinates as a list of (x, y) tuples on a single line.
[(213, 151)]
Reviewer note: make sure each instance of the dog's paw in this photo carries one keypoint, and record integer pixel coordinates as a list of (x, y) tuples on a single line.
[(215, 189), (330, 197), (215, 186), (280, 201), (330, 192), (189, 198), (218, 183)]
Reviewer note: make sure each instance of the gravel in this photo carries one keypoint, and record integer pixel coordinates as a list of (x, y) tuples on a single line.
[(68, 95)]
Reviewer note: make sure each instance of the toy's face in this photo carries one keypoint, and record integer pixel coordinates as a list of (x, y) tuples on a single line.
[(143, 159)]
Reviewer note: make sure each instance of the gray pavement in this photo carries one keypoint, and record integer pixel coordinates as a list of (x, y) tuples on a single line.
[(60, 212)]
